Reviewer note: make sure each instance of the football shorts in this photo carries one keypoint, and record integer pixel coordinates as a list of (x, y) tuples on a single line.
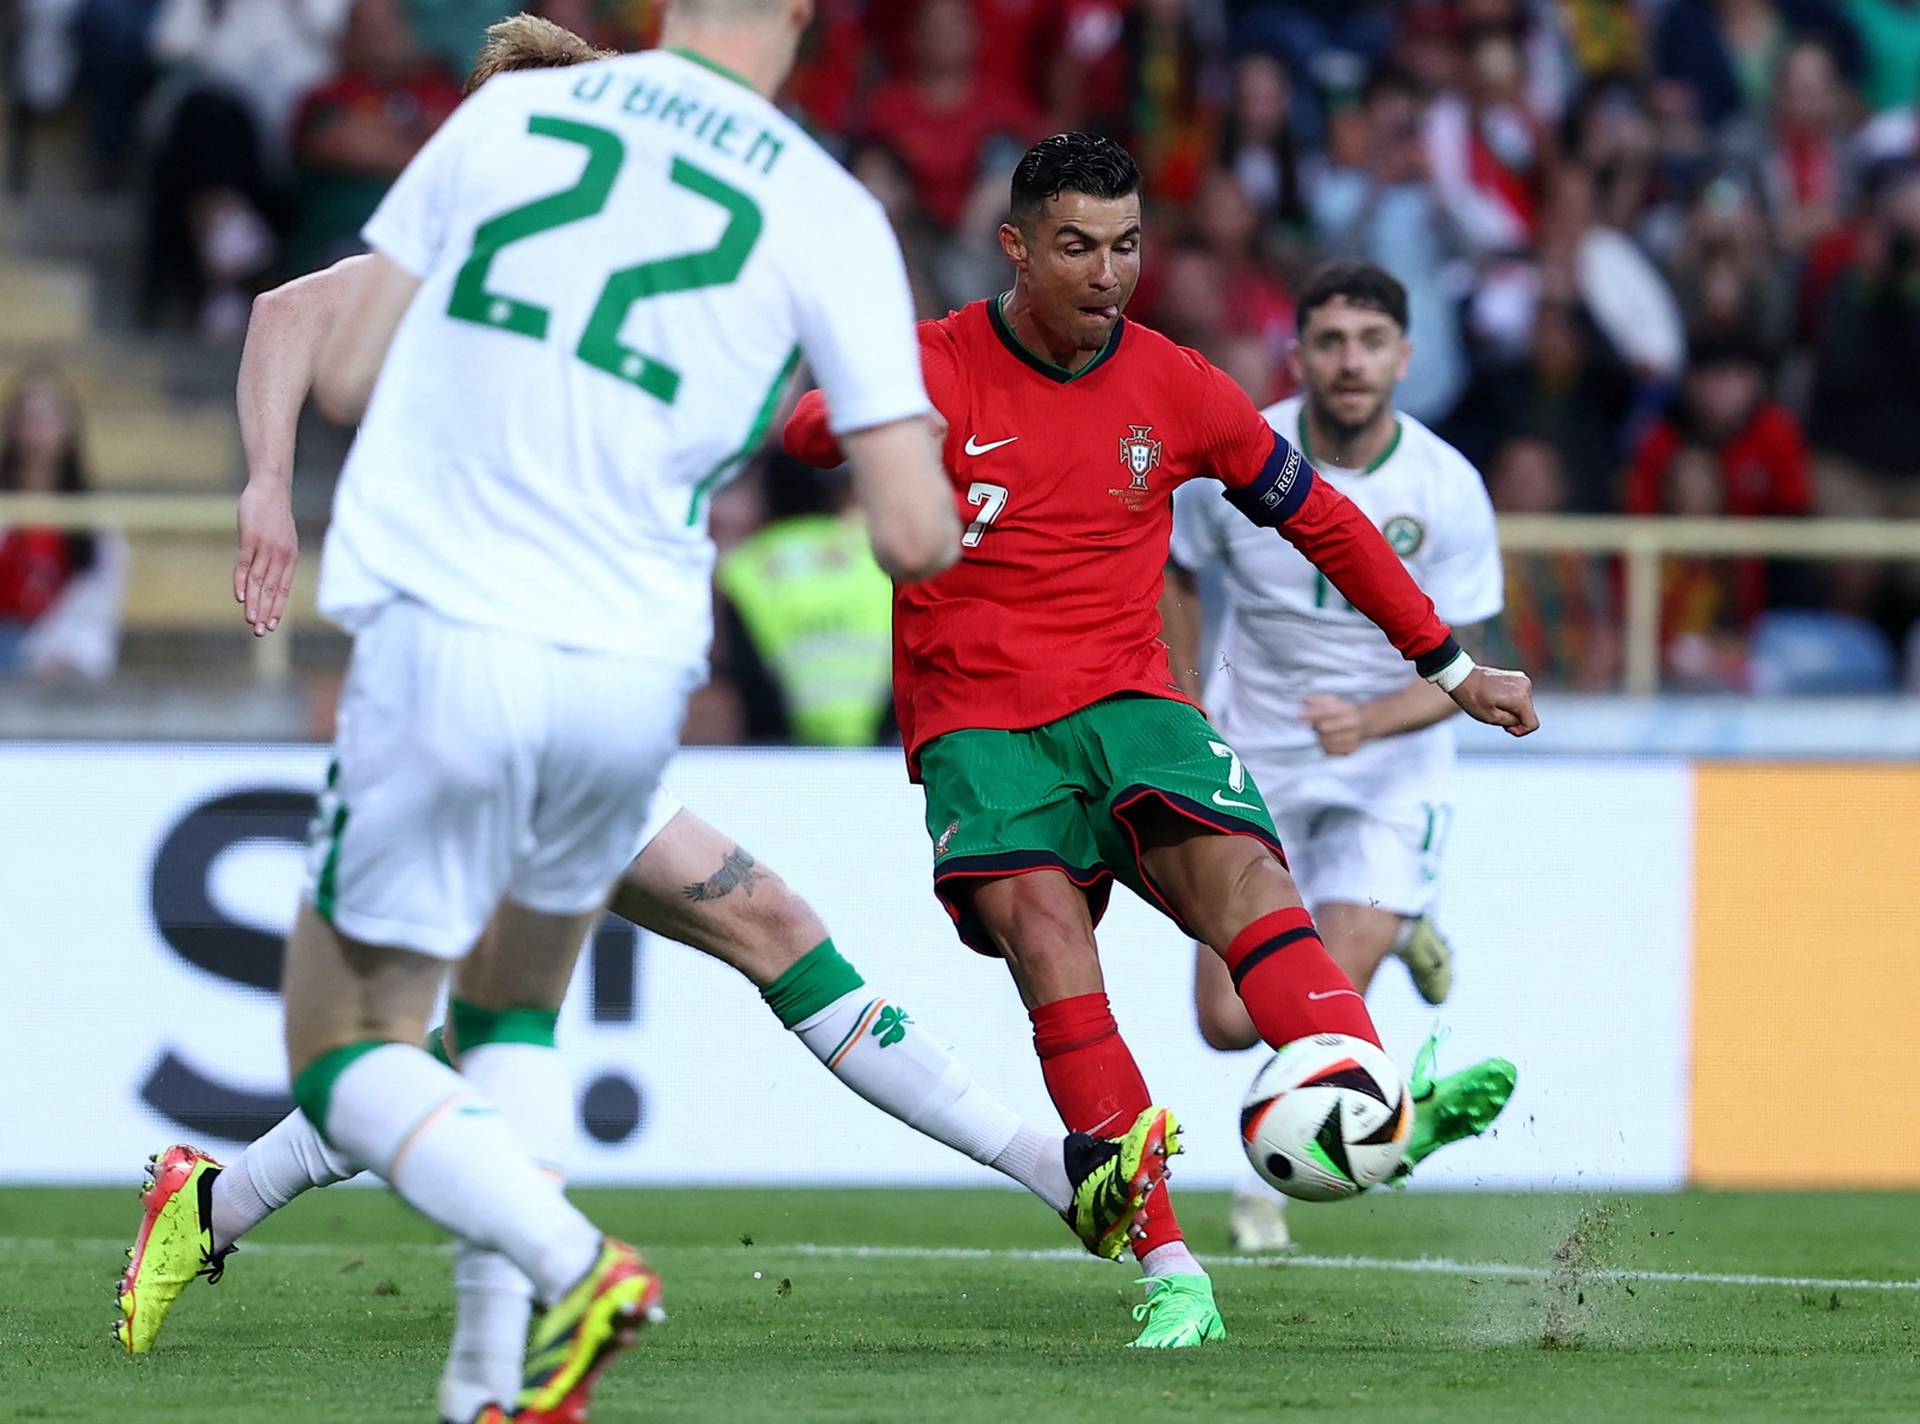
[(1068, 796), (473, 765)]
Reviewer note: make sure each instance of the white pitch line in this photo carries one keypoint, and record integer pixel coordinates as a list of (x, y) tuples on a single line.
[(1416, 1266), (1423, 1265)]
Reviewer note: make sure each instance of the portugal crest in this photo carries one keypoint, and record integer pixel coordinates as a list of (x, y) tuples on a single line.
[(1140, 453)]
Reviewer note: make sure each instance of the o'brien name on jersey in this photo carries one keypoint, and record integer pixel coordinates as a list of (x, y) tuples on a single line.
[(724, 131)]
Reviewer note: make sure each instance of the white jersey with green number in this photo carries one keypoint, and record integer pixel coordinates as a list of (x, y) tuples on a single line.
[(1287, 632), (621, 265)]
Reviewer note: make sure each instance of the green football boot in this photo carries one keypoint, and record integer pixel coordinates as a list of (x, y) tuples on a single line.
[(1458, 1106), (1112, 1177), (1177, 1314)]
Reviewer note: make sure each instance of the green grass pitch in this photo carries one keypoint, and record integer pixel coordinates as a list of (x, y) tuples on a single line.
[(1529, 1308)]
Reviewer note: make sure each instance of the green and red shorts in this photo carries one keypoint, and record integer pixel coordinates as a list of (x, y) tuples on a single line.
[(1070, 795)]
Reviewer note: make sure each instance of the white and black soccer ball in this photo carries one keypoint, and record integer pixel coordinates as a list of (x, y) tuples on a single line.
[(1328, 1117)]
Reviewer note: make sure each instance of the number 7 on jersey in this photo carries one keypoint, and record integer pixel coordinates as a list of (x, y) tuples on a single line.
[(991, 499)]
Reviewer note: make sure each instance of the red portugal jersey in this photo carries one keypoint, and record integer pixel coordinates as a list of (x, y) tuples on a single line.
[(1064, 484)]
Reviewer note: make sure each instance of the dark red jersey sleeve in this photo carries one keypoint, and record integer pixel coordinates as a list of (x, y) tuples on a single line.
[(807, 437), (1342, 543), (810, 439), (1235, 437), (1268, 481)]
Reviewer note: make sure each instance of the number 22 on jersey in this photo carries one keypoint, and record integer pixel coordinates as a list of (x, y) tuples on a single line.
[(600, 345)]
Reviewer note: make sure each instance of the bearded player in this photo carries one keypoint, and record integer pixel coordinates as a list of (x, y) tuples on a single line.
[(1033, 692), (689, 883), (1356, 755)]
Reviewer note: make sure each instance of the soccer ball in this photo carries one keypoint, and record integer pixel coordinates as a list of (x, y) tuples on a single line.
[(1328, 1117)]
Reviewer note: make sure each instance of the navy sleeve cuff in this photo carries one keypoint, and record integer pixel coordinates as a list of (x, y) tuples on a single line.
[(1278, 491), (1427, 664)]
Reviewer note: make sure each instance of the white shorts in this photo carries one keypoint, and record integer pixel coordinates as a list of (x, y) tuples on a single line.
[(473, 765), (1365, 829)]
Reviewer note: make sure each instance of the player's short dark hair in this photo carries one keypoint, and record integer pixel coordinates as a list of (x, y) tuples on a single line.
[(1359, 284), (1071, 163)]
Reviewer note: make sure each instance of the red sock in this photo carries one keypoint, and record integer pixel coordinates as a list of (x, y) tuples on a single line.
[(1097, 1086), (1290, 985)]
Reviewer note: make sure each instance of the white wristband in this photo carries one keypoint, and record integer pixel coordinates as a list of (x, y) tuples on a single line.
[(1454, 673)]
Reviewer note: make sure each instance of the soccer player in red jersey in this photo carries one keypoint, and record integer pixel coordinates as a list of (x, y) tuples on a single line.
[(1033, 691)]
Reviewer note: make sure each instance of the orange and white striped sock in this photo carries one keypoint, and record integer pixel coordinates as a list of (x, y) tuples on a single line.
[(446, 1149), (874, 1046)]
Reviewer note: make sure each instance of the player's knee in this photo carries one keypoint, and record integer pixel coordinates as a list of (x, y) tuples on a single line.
[(1045, 936), (1256, 884), (1226, 1029), (1261, 877)]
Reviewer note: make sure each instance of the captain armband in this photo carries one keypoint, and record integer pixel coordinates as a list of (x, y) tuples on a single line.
[(1278, 491)]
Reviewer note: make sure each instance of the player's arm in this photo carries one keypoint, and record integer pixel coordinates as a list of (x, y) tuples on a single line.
[(1199, 541), (854, 316), (1344, 726), (1181, 622), (354, 349), (1342, 543), (1270, 483), (285, 332), (1465, 575), (809, 438), (900, 510), (896, 477)]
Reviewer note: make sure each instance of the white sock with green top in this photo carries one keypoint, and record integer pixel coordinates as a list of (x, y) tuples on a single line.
[(874, 1046)]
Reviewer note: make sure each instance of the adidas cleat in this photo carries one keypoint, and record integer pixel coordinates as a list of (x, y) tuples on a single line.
[(1456, 1107), (1429, 960), (1257, 1221), (174, 1245), (1112, 1177), (1177, 1314), (578, 1336)]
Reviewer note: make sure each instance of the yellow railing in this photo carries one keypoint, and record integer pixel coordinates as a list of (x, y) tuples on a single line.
[(1643, 543), (1640, 543), (135, 514)]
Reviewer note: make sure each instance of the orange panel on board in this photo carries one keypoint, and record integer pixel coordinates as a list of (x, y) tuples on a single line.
[(1806, 993)]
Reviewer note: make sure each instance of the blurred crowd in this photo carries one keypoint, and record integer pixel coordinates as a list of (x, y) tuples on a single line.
[(60, 590), (1663, 255)]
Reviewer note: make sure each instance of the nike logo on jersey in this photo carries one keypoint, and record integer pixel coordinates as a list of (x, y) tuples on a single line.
[(1228, 801), (1332, 994), (974, 447)]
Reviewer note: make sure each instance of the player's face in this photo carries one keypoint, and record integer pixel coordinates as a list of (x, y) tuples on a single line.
[(1350, 358), (1082, 262)]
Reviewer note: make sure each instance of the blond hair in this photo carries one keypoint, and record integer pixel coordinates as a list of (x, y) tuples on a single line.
[(529, 42)]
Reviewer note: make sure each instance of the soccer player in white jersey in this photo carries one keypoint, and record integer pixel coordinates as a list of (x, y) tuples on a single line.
[(588, 292), (689, 882), (1356, 758)]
